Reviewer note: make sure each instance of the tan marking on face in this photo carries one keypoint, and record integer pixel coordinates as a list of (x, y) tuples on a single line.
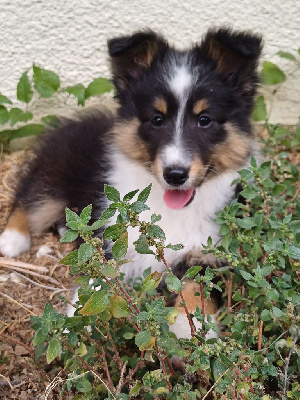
[(200, 106), (45, 214), (197, 170), (157, 168), (160, 105), (192, 302), (18, 221), (232, 152), (128, 141)]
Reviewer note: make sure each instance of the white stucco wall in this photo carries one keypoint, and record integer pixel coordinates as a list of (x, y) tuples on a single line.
[(69, 36)]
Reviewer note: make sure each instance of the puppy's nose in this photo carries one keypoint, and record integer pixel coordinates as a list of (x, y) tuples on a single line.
[(176, 176)]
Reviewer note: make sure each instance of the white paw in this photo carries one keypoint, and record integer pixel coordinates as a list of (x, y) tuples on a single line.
[(182, 329), (14, 243)]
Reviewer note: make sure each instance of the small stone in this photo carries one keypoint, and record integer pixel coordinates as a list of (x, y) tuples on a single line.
[(44, 251)]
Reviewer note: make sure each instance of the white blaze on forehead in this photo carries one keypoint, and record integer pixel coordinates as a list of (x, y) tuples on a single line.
[(181, 81)]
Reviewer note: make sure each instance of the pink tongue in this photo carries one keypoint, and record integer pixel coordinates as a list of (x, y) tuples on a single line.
[(177, 199)]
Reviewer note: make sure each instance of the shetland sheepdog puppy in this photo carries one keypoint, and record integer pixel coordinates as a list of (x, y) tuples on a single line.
[(182, 124)]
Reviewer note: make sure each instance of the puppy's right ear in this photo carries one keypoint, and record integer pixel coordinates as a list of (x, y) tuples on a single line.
[(132, 55)]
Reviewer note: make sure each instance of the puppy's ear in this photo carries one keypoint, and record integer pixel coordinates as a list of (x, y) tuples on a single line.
[(235, 55), (132, 55)]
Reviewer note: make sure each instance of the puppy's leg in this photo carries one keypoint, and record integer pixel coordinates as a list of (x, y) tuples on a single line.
[(181, 327), (16, 237), (23, 222)]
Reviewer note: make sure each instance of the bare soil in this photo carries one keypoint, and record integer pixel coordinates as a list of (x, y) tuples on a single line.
[(21, 375)]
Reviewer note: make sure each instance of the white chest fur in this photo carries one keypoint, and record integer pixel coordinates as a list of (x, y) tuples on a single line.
[(190, 226)]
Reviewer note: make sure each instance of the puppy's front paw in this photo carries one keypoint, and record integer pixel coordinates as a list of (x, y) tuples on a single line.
[(13, 243)]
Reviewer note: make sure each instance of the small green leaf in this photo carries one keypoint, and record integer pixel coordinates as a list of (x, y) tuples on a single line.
[(97, 87), (27, 130), (73, 220), (86, 214), (83, 385), (142, 246), (277, 312), (78, 91), (111, 193), (109, 271), (278, 189), (81, 350), (217, 368), (246, 223), (85, 252), (175, 247), (173, 283), (253, 162), (98, 224), (129, 196), (155, 218), (139, 206), (51, 120), (271, 74), (120, 247), (143, 196), (72, 338), (155, 231), (70, 259), (45, 82), (18, 115), (268, 183), (151, 282), (265, 315), (294, 252), (265, 271), (4, 99), (4, 115), (69, 236), (288, 56), (24, 90), (237, 296), (53, 350), (192, 272), (142, 339), (98, 302), (118, 307), (246, 275), (248, 193), (260, 111), (128, 335), (136, 389), (115, 231)]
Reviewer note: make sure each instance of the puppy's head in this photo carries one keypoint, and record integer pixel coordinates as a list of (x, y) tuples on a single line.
[(185, 114)]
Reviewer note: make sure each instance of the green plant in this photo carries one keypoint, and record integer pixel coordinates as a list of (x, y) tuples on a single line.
[(37, 83), (127, 350), (272, 78)]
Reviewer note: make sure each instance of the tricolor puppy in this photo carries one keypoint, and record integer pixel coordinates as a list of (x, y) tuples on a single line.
[(183, 124)]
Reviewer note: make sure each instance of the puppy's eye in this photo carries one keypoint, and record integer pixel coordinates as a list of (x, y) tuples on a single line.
[(157, 121), (204, 121)]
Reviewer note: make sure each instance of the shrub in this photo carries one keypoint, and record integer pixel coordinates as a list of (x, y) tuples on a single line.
[(127, 350)]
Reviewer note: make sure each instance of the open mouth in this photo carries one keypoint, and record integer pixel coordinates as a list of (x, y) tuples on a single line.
[(177, 199)]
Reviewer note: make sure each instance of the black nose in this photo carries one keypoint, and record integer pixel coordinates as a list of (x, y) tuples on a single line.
[(176, 176)]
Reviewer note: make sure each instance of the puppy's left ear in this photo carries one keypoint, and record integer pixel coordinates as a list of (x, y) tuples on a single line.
[(235, 55), (132, 55)]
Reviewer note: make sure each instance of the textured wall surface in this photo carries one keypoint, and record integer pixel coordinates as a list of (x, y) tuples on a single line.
[(69, 37)]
